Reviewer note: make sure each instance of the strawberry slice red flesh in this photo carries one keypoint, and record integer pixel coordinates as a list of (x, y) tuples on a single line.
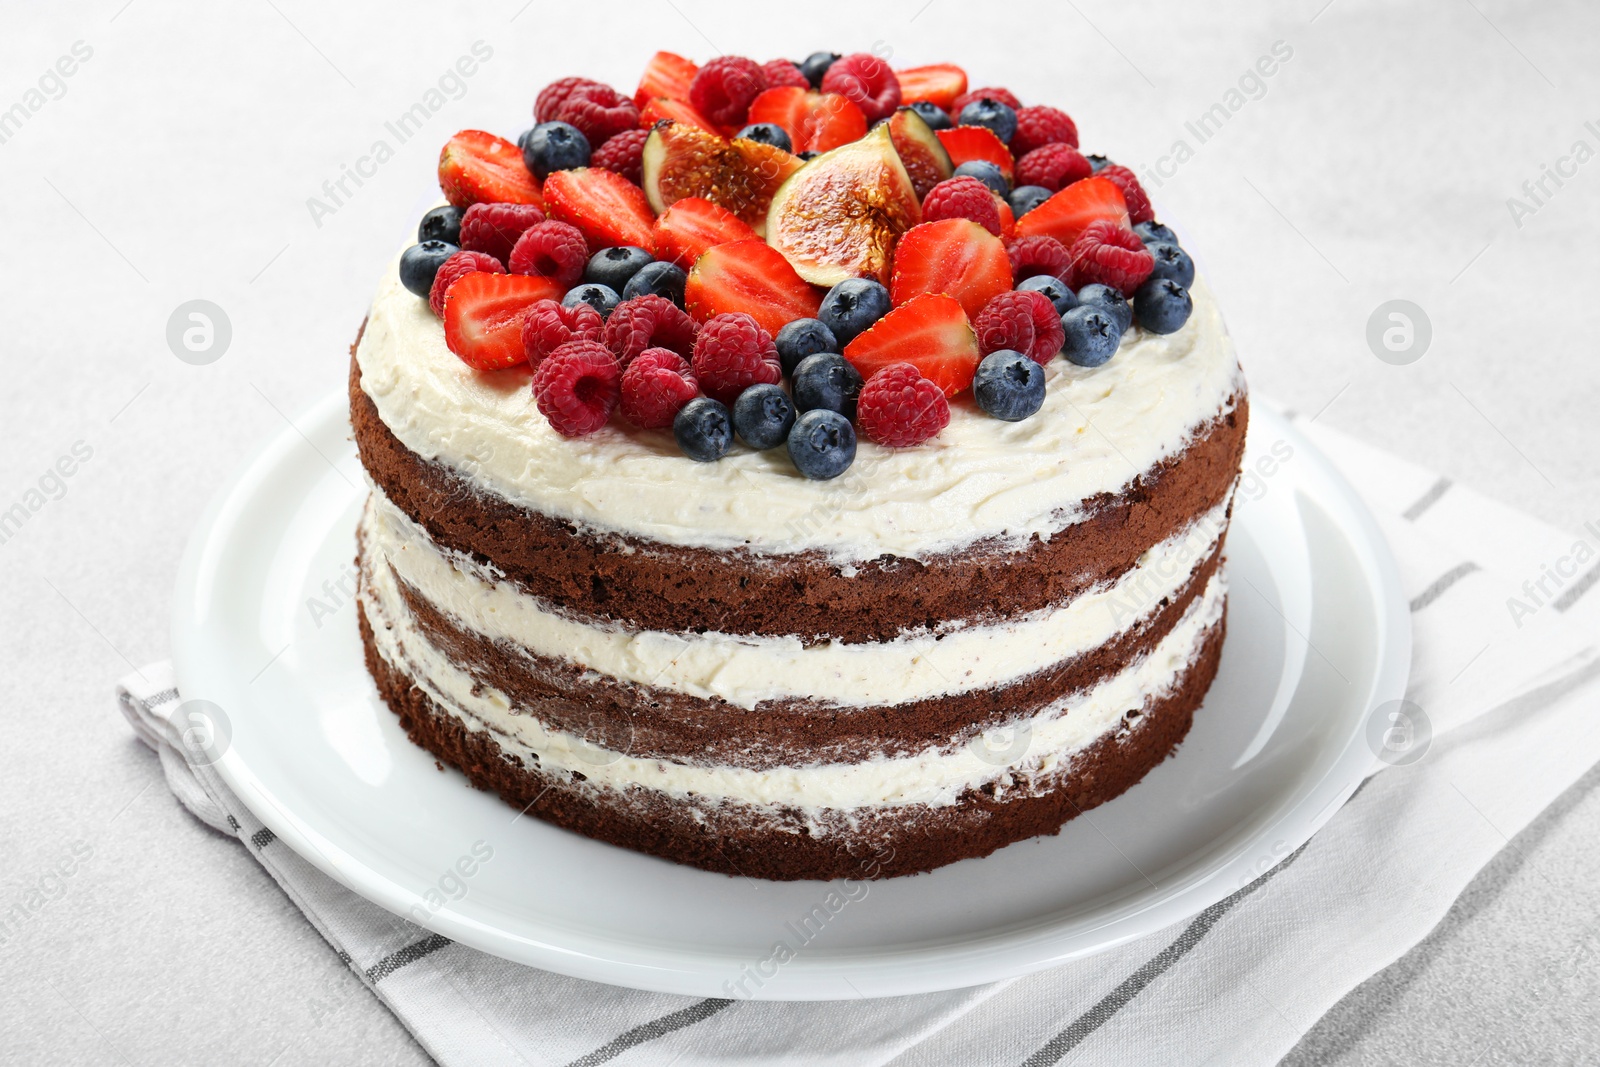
[(606, 207), (752, 277), (667, 74), (693, 226), (1069, 212), (815, 122), (937, 83), (968, 143), (480, 168), (483, 315), (931, 332), (956, 257)]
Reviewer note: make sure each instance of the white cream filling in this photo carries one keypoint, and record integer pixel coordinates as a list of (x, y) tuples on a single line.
[(1033, 748), (979, 478), (746, 670)]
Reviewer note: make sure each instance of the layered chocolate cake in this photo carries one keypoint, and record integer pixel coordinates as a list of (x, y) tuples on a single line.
[(806, 555)]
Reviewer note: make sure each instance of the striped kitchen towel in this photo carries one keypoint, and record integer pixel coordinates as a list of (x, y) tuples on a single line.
[(1506, 673)]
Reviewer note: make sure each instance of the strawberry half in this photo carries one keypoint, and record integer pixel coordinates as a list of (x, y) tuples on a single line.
[(967, 143), (753, 277), (937, 83), (815, 122), (605, 206), (693, 226), (676, 110), (957, 257), (483, 315), (480, 168), (931, 332), (666, 75), (1068, 213)]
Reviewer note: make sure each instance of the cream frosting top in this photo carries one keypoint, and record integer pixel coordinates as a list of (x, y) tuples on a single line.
[(980, 478)]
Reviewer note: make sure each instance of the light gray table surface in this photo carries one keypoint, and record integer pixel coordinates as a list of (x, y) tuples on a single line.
[(177, 162)]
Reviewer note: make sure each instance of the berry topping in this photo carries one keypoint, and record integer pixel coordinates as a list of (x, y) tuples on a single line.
[(802, 338), (477, 167), (1021, 321), (731, 353), (615, 265), (577, 387), (1171, 262), (741, 175), (1139, 209), (703, 430), (552, 96), (622, 154), (655, 387), (919, 149), (453, 270), (494, 228), (724, 87), (1090, 335), (1024, 198), (1031, 256), (1111, 301), (420, 264), (962, 198), (547, 326), (1038, 126), (938, 84), (822, 444), (1147, 231), (602, 298), (551, 249), (483, 316), (649, 322), (752, 277), (1065, 215), (443, 223), (987, 173), (1052, 167), (667, 75), (1162, 305), (782, 72), (552, 146), (900, 408), (867, 82), (1111, 255), (815, 122), (851, 307), (763, 416), (692, 226), (931, 332), (769, 133), (1004, 96), (816, 65), (826, 380), (1009, 386), (935, 116), (658, 279), (597, 110), (993, 114), (680, 111), (969, 144), (608, 208), (955, 257), (1054, 289)]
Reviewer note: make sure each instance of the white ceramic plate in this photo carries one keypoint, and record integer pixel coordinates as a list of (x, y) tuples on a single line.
[(264, 627)]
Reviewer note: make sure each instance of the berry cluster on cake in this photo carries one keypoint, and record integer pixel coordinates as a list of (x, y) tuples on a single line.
[(795, 470)]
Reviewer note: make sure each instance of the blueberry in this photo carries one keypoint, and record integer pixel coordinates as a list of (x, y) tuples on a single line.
[(763, 415), (420, 262), (802, 338), (1163, 306), (614, 266), (1111, 301), (1097, 162), (1171, 262), (602, 298), (1062, 297), (1150, 232), (1024, 198), (767, 133), (553, 146), (935, 116), (985, 172), (852, 306), (703, 430), (1092, 335), (828, 382), (662, 279), (816, 65), (1009, 385), (441, 224), (997, 116), (822, 444)]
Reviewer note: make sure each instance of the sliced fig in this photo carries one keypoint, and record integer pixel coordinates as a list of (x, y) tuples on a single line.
[(839, 216), (925, 158), (740, 175)]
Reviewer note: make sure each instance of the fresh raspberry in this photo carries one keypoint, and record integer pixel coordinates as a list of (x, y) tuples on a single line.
[(899, 408), (623, 154), (1005, 96), (723, 89), (1111, 255), (1023, 321), (963, 198), (1054, 166), (781, 73), (867, 82), (548, 325), (551, 250), (655, 386), (649, 321), (1039, 255), (577, 387), (733, 353), (1039, 125), (552, 96), (1139, 209), (494, 228), (452, 270), (598, 110)]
